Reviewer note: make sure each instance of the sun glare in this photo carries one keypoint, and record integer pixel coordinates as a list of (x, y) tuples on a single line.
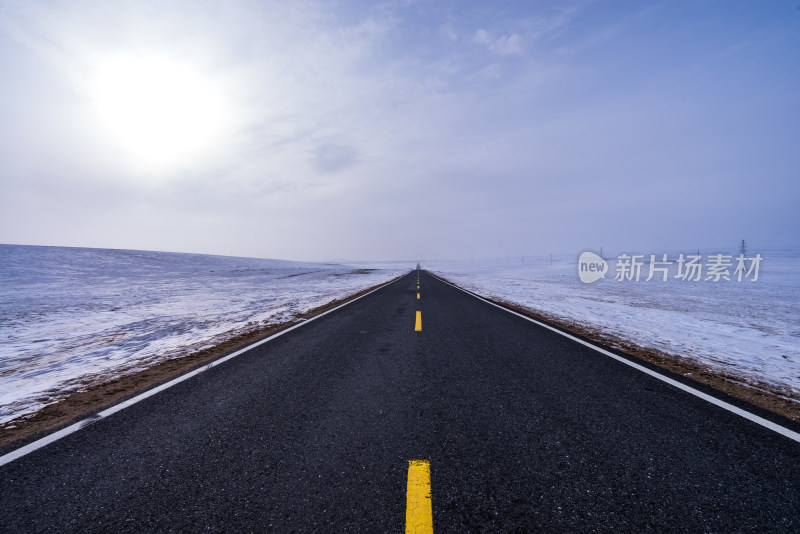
[(162, 113)]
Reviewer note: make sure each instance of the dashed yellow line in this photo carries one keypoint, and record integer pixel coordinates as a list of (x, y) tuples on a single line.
[(419, 512), (418, 323), (417, 296)]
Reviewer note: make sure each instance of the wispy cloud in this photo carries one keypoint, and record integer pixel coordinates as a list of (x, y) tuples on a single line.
[(504, 45), (449, 31), (331, 158)]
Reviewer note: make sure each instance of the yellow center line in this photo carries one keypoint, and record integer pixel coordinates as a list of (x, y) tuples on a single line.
[(418, 323), (419, 513), (417, 296)]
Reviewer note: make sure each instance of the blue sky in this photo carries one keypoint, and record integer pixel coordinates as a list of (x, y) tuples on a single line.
[(399, 130)]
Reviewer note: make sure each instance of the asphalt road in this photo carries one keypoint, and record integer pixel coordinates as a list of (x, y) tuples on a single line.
[(525, 431)]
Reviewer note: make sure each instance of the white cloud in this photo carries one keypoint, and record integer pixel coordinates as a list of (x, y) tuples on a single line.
[(449, 31), (504, 45), (482, 37), (508, 46)]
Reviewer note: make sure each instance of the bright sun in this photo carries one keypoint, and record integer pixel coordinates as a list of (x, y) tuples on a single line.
[(162, 113)]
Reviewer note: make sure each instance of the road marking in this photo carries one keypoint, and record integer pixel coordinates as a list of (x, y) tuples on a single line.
[(419, 512), (418, 323), (417, 296), (55, 436), (795, 436)]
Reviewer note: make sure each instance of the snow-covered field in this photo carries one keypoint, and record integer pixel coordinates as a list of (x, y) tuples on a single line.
[(71, 317), (747, 329)]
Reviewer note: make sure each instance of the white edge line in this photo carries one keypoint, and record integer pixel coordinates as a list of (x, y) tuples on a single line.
[(708, 398), (55, 436)]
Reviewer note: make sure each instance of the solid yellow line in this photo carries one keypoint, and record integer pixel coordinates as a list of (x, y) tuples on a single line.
[(418, 324), (419, 513)]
